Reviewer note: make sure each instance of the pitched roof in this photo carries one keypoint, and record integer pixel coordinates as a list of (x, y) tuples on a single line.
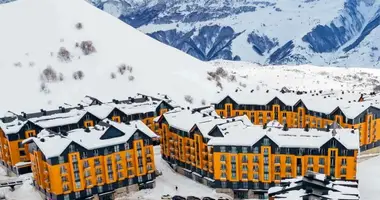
[(324, 102), (53, 144), (295, 137)]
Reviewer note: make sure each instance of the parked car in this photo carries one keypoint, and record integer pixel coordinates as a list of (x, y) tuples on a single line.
[(207, 198), (166, 197), (177, 197), (193, 198)]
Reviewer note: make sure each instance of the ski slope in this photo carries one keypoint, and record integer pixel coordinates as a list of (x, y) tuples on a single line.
[(39, 28)]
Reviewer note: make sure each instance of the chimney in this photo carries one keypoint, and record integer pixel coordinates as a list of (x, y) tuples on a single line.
[(252, 90), (62, 109), (80, 106), (43, 112), (23, 114)]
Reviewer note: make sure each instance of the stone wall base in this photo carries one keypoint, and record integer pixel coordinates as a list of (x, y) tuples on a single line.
[(226, 191), (371, 151)]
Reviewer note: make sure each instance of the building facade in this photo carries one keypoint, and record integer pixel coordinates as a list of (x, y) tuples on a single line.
[(99, 162), (13, 130), (315, 109), (244, 160)]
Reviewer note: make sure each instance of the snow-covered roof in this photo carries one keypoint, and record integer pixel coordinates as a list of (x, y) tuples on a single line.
[(291, 189), (293, 138), (52, 144), (13, 126), (324, 102), (100, 111), (206, 126), (185, 119), (59, 119), (274, 124)]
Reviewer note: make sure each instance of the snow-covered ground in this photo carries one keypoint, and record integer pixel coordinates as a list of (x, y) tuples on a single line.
[(369, 179), (25, 191), (166, 184)]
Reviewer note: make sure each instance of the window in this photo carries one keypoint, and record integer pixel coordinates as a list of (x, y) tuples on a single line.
[(310, 161), (266, 168), (61, 160), (233, 159), (223, 167), (321, 161), (72, 148), (266, 177), (66, 197), (100, 189), (149, 176), (256, 168), (343, 171), (255, 159), (117, 148), (344, 161), (288, 169), (88, 192), (65, 187), (256, 150), (266, 151), (277, 177), (77, 185), (222, 149), (233, 150), (266, 142), (244, 176), (140, 179), (245, 159), (233, 175), (223, 184), (277, 159), (288, 160), (321, 170), (85, 164), (88, 182), (77, 195), (117, 157), (223, 175), (256, 176), (245, 149), (126, 146), (128, 155), (222, 158)]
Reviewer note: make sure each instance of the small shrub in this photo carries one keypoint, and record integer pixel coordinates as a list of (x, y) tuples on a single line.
[(64, 55), (131, 78), (79, 26), (209, 78), (78, 75), (243, 84), (61, 77), (232, 78), (376, 88), (87, 47), (122, 68), (44, 88), (203, 102), (49, 75), (221, 72), (189, 99), (17, 64), (113, 75), (129, 68), (219, 84)]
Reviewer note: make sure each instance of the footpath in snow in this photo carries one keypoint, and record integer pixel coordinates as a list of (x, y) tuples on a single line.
[(166, 183), (369, 178)]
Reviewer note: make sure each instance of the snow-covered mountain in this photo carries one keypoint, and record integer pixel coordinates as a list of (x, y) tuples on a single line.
[(319, 32), (53, 54)]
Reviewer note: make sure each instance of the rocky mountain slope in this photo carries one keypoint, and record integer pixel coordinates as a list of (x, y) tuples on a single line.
[(319, 32)]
